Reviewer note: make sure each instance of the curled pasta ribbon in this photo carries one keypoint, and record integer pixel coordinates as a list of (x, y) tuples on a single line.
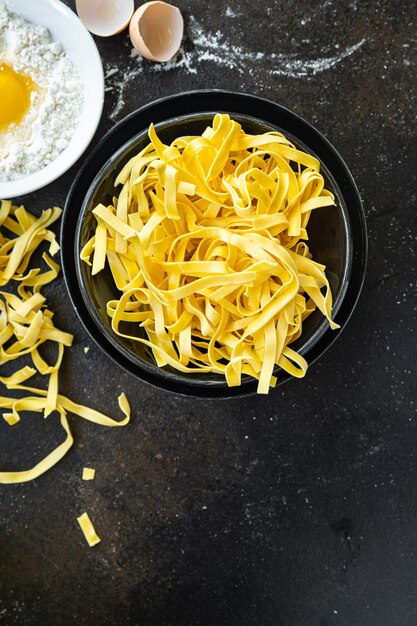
[(26, 324), (206, 243), (38, 404), (43, 466)]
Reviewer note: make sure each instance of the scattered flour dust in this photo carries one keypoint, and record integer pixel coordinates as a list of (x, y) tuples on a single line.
[(55, 106), (230, 12), (213, 47)]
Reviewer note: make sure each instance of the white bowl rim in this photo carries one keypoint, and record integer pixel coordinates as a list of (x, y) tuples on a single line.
[(92, 107)]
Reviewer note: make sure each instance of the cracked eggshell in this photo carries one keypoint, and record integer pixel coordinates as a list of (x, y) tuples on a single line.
[(156, 30), (105, 17)]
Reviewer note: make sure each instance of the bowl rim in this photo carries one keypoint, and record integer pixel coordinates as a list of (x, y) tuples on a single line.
[(85, 180), (92, 106)]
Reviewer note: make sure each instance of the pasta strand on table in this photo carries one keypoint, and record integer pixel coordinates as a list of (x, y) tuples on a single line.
[(26, 324)]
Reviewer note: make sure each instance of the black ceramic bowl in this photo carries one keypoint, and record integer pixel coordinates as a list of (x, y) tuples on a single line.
[(337, 236)]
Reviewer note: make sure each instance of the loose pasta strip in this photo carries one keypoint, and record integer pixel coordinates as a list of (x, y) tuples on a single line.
[(206, 243), (26, 324), (88, 529)]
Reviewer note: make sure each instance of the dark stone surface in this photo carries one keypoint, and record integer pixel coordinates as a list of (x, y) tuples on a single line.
[(296, 509)]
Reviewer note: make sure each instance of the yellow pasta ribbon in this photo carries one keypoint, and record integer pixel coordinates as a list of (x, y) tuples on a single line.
[(206, 243), (43, 466), (26, 324)]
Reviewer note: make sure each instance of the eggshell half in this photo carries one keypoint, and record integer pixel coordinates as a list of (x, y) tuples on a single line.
[(156, 30), (105, 17)]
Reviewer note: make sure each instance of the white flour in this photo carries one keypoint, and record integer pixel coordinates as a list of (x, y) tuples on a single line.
[(215, 48), (55, 106)]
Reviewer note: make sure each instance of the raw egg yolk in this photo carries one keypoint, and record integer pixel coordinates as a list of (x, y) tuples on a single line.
[(15, 90)]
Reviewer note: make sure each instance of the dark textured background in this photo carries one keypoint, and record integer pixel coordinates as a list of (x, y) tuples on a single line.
[(296, 509)]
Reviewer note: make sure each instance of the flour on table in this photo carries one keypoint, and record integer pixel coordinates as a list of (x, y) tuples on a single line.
[(214, 47), (55, 105), (230, 12)]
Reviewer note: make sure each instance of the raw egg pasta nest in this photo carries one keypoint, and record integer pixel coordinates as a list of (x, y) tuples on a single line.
[(206, 244)]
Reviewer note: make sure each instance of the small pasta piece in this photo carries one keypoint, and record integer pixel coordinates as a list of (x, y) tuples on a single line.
[(88, 529), (89, 473)]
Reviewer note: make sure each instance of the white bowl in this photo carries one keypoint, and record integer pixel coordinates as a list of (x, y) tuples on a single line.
[(68, 29)]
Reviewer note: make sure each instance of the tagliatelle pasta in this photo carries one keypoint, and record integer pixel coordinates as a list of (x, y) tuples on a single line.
[(26, 324), (206, 242)]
